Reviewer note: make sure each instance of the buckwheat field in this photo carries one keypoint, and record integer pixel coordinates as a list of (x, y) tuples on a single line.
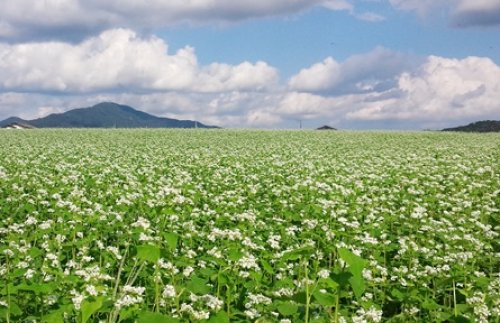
[(249, 226)]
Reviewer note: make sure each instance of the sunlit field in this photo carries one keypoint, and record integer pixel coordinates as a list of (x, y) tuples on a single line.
[(245, 226)]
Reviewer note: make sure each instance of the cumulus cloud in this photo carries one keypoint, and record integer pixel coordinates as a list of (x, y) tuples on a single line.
[(56, 19), (120, 60), (477, 13), (441, 89), (375, 70), (464, 13), (435, 92)]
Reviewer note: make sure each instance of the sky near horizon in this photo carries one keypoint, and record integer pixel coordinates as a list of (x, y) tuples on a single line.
[(351, 64)]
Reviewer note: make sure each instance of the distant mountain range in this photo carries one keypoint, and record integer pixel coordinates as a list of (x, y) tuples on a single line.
[(104, 115), (480, 126)]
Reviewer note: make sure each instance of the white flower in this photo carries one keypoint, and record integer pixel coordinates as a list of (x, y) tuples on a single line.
[(142, 223), (29, 273), (252, 313), (115, 252), (249, 263), (324, 273), (187, 271), (133, 290), (169, 291), (90, 289), (77, 300)]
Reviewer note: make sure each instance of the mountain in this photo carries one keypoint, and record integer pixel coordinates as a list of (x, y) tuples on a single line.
[(325, 127), (480, 126), (12, 120), (105, 115)]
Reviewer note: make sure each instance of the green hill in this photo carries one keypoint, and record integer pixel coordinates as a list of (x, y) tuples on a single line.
[(106, 115), (480, 126)]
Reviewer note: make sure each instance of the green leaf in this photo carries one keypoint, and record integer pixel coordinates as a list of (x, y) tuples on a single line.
[(222, 279), (324, 299), (300, 298), (152, 317), (397, 294), (90, 307), (38, 288), (220, 317), (267, 267), (198, 286), (148, 253), (297, 254), (288, 309), (15, 309), (234, 254), (356, 265), (329, 282), (459, 319), (171, 239), (54, 317), (342, 279)]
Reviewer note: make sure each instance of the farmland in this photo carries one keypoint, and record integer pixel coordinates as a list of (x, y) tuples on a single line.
[(268, 226)]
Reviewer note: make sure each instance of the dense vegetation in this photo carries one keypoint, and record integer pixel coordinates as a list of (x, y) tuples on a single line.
[(269, 226)]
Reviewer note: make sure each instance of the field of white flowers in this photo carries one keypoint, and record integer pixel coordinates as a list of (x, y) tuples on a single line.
[(244, 226)]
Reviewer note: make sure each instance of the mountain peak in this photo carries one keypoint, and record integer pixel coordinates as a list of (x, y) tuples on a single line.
[(107, 115), (479, 126)]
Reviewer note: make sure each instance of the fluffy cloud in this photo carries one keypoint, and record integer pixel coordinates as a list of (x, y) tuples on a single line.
[(438, 92), (24, 19), (120, 60), (464, 13), (477, 13), (375, 70)]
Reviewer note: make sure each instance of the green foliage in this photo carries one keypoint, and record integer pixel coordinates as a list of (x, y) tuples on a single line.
[(90, 307), (238, 226), (148, 253)]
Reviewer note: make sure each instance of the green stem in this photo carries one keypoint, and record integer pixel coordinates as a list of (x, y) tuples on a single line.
[(157, 289), (117, 280), (455, 299), (8, 291), (337, 306), (308, 297)]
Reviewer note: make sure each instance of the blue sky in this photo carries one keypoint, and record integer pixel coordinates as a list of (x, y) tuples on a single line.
[(360, 64), (290, 43)]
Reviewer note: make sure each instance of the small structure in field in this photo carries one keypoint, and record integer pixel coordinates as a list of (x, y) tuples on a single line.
[(325, 127), (16, 125)]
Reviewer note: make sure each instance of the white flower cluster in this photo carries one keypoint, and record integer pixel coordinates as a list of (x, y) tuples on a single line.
[(130, 296), (249, 262), (477, 301), (370, 315)]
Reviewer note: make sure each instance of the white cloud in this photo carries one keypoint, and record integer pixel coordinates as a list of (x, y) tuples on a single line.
[(477, 12), (120, 60), (318, 77), (366, 72), (438, 93), (464, 13), (75, 18), (442, 89)]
